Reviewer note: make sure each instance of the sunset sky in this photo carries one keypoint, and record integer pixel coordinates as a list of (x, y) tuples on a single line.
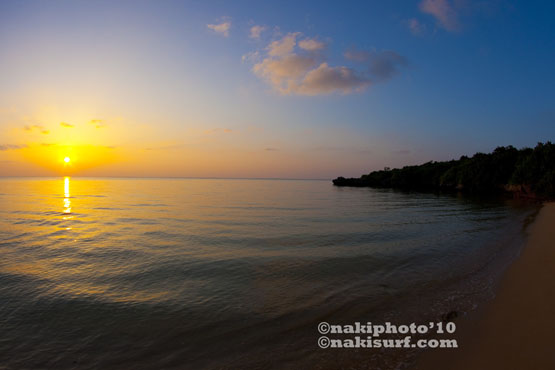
[(251, 89)]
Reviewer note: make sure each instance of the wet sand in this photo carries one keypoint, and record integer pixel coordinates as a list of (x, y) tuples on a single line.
[(517, 329)]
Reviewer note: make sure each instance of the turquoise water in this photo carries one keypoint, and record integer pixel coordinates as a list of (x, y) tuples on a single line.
[(231, 274)]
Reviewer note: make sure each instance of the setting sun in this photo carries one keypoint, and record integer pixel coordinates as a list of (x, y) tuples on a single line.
[(67, 159)]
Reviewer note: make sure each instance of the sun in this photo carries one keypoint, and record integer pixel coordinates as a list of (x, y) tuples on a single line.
[(67, 159)]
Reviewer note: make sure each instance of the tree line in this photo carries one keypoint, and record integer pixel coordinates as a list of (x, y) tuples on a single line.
[(528, 172)]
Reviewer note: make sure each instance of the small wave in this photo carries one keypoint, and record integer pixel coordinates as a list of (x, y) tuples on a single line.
[(162, 235), (140, 221), (149, 205)]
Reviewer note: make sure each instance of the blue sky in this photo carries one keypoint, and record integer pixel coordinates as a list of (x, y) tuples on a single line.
[(275, 89)]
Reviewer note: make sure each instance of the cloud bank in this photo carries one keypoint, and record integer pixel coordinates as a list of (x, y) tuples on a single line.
[(300, 67)]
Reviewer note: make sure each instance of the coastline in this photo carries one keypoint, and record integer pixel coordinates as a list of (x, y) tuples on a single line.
[(515, 329)]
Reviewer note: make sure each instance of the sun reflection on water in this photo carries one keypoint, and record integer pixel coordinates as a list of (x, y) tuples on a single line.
[(67, 200)]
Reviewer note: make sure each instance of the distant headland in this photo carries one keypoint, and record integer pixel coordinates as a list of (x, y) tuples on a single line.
[(527, 172)]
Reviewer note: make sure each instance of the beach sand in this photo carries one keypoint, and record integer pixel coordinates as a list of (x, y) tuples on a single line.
[(517, 329)]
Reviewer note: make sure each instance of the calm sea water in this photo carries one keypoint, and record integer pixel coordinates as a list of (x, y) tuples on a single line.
[(231, 274)]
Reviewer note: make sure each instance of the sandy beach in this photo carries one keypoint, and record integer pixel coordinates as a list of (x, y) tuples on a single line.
[(515, 330)]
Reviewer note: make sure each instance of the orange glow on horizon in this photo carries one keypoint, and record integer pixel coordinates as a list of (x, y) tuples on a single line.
[(69, 159)]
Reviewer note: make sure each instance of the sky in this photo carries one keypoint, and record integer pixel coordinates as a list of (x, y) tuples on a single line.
[(283, 89)]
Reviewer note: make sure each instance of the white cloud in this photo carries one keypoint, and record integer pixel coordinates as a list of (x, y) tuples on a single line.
[(326, 79), (221, 28), (98, 123), (443, 12), (283, 47), (252, 57), (256, 31), (382, 65), (40, 128), (416, 27), (283, 72), (311, 44), (11, 147)]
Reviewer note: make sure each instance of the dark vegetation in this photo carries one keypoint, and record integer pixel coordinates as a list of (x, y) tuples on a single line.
[(524, 172)]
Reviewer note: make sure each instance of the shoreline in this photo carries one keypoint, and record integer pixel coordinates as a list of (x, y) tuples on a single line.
[(515, 329)]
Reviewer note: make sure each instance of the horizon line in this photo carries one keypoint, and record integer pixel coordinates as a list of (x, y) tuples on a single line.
[(172, 177)]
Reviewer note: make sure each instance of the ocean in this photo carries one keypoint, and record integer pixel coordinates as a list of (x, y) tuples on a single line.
[(105, 273)]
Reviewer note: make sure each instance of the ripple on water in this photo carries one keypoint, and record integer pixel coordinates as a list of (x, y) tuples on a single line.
[(161, 273)]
